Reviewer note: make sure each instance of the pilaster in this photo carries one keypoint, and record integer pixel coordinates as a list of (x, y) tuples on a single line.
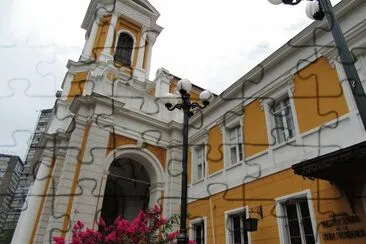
[(89, 43), (108, 45)]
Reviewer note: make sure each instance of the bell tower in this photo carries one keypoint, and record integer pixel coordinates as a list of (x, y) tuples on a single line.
[(105, 126), (121, 33)]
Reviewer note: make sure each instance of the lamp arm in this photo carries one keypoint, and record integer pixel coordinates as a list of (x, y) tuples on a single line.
[(176, 106), (197, 105), (293, 3)]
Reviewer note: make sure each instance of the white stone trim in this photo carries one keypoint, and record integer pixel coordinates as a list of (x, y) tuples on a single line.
[(278, 94), (151, 164), (135, 44), (280, 214), (89, 43), (203, 142), (232, 212), (196, 221), (109, 40), (145, 158), (225, 127)]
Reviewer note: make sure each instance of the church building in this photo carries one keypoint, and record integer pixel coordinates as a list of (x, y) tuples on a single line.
[(283, 145)]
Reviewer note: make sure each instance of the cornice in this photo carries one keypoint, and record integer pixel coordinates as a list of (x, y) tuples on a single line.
[(202, 134), (119, 109), (353, 35)]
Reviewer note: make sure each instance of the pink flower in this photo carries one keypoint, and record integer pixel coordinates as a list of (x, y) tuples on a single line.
[(147, 227), (76, 240), (59, 240), (171, 236), (157, 209), (111, 237), (80, 224), (101, 223)]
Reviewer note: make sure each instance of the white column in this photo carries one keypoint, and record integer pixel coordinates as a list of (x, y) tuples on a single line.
[(151, 38), (89, 43), (109, 40), (156, 190), (26, 223), (139, 72), (148, 57), (291, 91), (267, 114), (141, 49)]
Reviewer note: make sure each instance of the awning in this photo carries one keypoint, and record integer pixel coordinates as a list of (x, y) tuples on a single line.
[(347, 165)]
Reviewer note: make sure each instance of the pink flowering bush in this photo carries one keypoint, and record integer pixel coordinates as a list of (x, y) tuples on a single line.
[(149, 227)]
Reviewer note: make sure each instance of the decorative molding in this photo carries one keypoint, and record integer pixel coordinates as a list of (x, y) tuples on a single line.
[(151, 36), (352, 36), (261, 103), (130, 12)]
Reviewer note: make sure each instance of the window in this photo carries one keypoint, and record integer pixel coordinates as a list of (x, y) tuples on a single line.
[(298, 221), (236, 233), (283, 120), (295, 217), (236, 142), (124, 49), (199, 162), (198, 229)]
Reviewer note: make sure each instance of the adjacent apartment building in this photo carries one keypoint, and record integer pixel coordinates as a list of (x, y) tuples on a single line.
[(28, 175), (11, 168), (283, 145), (20, 180)]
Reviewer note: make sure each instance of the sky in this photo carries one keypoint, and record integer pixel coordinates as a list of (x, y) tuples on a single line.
[(210, 42)]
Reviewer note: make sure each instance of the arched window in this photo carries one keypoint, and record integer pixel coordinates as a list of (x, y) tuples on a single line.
[(124, 49)]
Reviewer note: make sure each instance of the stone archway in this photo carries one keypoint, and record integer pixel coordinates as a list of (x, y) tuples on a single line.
[(127, 190), (134, 181)]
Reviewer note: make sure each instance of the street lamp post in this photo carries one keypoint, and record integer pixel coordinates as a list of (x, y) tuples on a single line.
[(184, 86), (317, 9)]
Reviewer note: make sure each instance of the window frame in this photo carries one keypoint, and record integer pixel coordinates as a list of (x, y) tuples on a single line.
[(280, 101), (233, 212), (194, 162), (237, 130), (282, 219), (226, 129), (197, 221), (133, 47)]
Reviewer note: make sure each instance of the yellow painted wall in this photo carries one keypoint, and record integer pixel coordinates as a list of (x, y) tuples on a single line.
[(263, 192), (119, 140), (116, 141), (159, 152), (101, 36), (318, 95), (77, 85), (215, 150), (255, 129)]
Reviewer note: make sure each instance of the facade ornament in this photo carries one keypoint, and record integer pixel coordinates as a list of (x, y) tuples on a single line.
[(291, 82), (261, 103), (332, 59), (161, 72), (151, 36)]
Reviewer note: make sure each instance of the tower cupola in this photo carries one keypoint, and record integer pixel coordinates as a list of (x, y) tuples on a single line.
[(121, 33)]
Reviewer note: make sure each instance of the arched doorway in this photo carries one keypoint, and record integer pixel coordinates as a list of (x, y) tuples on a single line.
[(127, 190)]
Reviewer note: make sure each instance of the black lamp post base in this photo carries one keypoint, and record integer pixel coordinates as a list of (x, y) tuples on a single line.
[(182, 238)]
